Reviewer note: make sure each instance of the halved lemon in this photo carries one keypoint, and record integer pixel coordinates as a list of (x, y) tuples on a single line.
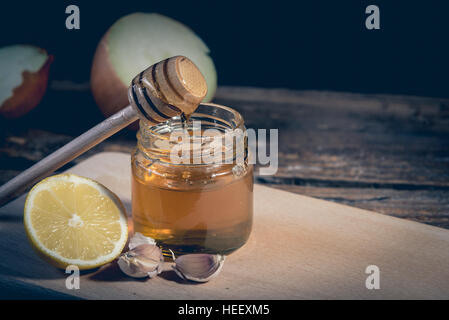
[(72, 220)]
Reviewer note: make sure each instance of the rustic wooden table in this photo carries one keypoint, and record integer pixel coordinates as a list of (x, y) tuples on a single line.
[(384, 153)]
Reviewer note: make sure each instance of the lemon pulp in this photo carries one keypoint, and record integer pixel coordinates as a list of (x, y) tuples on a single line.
[(73, 220)]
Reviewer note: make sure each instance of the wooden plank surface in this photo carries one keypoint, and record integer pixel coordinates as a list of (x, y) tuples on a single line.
[(300, 248), (384, 153)]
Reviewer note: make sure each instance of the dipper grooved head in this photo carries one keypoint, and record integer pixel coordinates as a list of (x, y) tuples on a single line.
[(167, 89)]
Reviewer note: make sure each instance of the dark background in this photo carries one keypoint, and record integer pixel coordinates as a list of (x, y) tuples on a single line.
[(310, 44)]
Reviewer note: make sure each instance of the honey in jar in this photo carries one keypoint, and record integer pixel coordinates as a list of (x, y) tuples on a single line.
[(193, 207)]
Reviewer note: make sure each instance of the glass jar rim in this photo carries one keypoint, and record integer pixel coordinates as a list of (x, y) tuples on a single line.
[(157, 141), (237, 120)]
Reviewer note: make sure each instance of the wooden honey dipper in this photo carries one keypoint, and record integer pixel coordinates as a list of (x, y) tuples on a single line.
[(167, 89), (164, 90)]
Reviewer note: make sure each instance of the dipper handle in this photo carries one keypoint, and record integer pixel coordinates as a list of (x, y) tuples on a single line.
[(162, 91), (67, 153)]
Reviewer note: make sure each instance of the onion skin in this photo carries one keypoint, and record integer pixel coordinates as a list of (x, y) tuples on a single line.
[(109, 92), (28, 95)]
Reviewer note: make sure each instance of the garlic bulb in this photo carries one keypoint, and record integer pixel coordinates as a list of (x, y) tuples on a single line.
[(143, 260), (198, 267)]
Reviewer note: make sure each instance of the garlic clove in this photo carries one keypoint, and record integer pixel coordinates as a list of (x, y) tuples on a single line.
[(198, 267), (138, 239), (144, 260)]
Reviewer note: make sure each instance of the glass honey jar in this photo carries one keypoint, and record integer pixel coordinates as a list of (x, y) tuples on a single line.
[(194, 205)]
